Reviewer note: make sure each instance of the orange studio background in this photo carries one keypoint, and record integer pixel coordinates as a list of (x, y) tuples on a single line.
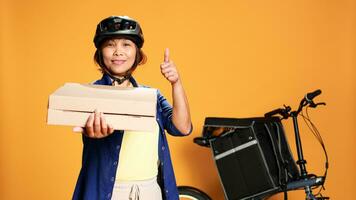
[(237, 58)]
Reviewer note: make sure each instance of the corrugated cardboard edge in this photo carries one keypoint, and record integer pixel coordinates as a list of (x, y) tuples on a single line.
[(119, 122), (144, 104)]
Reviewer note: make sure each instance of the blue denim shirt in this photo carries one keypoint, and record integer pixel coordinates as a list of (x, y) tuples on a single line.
[(101, 156)]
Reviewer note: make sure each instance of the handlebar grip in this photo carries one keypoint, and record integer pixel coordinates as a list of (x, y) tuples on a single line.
[(274, 112), (310, 96)]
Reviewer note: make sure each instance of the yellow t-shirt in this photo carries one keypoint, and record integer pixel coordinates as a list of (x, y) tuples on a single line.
[(138, 156)]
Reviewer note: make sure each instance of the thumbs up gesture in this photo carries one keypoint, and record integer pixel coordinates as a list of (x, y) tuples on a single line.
[(168, 69)]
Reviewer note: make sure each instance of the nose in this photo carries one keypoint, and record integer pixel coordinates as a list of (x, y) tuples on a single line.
[(118, 51)]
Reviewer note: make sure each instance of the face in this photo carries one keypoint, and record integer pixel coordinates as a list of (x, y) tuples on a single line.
[(119, 55)]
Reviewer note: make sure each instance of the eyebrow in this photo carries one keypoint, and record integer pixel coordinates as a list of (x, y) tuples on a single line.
[(113, 40)]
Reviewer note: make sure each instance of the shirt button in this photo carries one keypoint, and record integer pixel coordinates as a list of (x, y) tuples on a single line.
[(166, 191), (109, 195), (115, 163), (112, 179), (163, 148), (162, 163), (118, 147)]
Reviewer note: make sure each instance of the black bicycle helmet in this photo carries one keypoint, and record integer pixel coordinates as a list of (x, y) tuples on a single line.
[(119, 26)]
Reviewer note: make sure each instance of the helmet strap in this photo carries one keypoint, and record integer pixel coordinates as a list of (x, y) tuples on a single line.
[(119, 80)]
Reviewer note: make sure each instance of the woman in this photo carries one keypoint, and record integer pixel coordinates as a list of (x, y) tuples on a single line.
[(128, 164)]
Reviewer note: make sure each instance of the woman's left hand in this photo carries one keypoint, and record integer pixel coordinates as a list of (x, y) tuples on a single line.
[(180, 111), (168, 69)]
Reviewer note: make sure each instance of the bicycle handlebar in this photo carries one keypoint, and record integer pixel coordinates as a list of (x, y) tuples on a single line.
[(308, 99), (286, 111)]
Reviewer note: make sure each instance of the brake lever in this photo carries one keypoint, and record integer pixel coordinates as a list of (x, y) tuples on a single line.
[(285, 114), (314, 105)]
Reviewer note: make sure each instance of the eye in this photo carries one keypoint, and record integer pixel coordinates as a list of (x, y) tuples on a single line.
[(109, 43), (126, 44)]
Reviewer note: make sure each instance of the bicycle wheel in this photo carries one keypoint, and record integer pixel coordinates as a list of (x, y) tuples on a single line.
[(191, 193)]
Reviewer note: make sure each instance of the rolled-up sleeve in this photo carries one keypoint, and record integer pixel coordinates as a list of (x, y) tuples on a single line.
[(166, 111)]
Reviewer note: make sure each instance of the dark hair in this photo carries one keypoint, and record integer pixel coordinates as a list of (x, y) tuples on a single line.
[(140, 59)]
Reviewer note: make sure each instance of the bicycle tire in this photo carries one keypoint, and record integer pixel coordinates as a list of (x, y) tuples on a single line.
[(191, 193)]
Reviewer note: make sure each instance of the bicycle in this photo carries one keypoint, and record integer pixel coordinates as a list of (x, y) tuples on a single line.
[(285, 174)]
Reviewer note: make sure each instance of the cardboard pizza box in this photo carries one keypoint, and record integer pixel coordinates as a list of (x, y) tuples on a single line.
[(123, 108)]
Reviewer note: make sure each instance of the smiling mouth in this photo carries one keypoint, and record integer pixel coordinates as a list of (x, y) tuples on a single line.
[(118, 62)]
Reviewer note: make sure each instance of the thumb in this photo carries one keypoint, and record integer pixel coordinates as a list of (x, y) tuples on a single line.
[(166, 55), (78, 129)]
